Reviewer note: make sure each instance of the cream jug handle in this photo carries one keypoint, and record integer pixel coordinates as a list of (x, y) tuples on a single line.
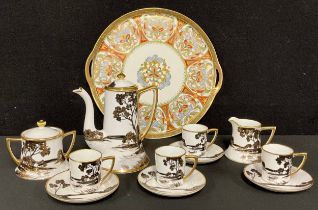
[(273, 129), (304, 155), (214, 137), (111, 167), (153, 109), (8, 143), (73, 133)]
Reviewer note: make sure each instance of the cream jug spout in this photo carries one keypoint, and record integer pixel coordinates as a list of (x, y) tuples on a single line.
[(89, 123), (233, 120)]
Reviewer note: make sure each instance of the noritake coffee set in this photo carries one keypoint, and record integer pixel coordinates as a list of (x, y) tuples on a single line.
[(167, 54)]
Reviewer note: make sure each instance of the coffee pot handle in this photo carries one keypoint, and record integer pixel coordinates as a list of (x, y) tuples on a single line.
[(214, 137), (110, 169), (195, 162), (73, 133), (304, 155), (153, 109), (273, 129), (8, 143)]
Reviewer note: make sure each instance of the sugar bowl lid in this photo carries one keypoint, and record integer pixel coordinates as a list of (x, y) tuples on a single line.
[(41, 133), (121, 84)]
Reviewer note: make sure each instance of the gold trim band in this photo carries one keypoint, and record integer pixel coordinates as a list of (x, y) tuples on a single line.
[(99, 158), (185, 152), (276, 153), (61, 133), (122, 89)]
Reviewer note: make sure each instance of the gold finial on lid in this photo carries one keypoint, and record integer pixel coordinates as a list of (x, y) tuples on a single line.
[(41, 123), (121, 75)]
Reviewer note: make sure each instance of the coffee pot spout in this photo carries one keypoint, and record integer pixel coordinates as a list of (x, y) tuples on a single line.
[(89, 123)]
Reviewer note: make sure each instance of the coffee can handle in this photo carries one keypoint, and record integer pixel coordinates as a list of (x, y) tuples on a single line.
[(195, 162), (153, 108), (300, 154), (214, 137), (112, 158), (73, 133), (8, 144), (273, 129)]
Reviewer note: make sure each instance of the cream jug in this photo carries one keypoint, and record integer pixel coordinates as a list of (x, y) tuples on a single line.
[(246, 135), (120, 136)]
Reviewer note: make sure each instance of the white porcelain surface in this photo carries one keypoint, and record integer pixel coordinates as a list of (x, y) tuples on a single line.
[(147, 179), (246, 139), (59, 188), (41, 132), (298, 182), (120, 136), (85, 170), (42, 174), (41, 153), (277, 163), (170, 165), (195, 138), (213, 153), (246, 135), (241, 156)]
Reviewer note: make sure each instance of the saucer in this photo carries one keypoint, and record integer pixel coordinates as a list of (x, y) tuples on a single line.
[(241, 156), (193, 184), (41, 174), (212, 154), (298, 182), (59, 188)]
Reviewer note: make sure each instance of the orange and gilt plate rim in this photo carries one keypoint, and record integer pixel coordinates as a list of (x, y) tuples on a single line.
[(179, 16)]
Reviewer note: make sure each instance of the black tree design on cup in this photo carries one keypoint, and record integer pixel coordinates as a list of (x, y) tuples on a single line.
[(175, 166), (284, 162), (200, 146), (92, 173)]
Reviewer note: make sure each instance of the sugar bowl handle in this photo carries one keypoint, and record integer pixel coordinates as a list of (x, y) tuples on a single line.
[(73, 133), (273, 129), (112, 158), (8, 143), (153, 109), (214, 137)]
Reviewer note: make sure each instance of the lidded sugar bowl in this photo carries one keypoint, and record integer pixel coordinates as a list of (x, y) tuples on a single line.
[(120, 136), (42, 153)]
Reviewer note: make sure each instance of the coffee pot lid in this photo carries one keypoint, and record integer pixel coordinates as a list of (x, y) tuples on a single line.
[(41, 132), (121, 83)]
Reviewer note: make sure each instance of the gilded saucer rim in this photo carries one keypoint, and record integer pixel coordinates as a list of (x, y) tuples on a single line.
[(43, 178), (80, 202), (277, 188), (169, 195), (210, 160)]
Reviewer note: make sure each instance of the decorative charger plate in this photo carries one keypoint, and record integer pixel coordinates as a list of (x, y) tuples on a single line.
[(155, 46)]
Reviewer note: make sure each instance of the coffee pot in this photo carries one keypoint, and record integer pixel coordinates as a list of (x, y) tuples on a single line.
[(120, 136)]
